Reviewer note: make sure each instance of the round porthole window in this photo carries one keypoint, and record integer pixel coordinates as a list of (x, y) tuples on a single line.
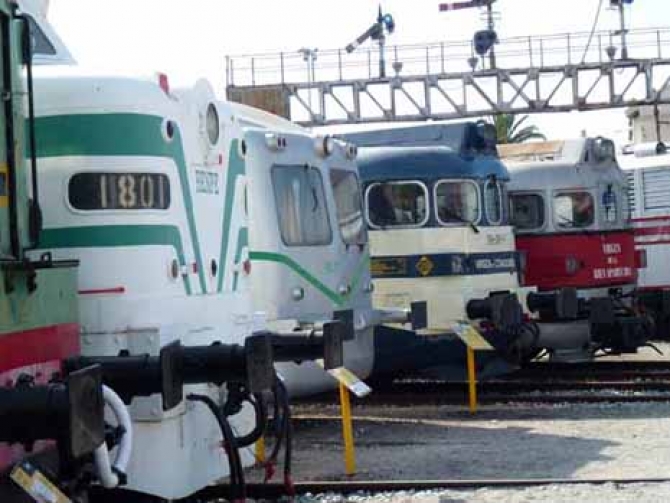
[(212, 124)]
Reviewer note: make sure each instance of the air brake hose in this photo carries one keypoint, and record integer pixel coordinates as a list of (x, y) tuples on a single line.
[(261, 420), (238, 487), (113, 475)]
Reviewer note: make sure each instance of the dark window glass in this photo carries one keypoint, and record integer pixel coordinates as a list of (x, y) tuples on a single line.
[(347, 193), (119, 191), (301, 206), (3, 184), (457, 202), (397, 204), (527, 211), (493, 201)]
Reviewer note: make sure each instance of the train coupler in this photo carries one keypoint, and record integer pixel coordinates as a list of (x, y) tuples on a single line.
[(614, 332), (253, 363), (503, 310), (558, 305), (70, 412)]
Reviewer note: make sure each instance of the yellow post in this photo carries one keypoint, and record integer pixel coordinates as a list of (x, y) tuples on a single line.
[(347, 431), (260, 450), (472, 380)]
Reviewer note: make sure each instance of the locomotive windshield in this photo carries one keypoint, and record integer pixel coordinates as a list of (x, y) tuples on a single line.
[(527, 211), (457, 202), (397, 204), (347, 192), (573, 210), (301, 206), (493, 202)]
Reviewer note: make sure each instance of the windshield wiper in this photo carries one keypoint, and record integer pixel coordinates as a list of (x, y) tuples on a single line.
[(461, 219)]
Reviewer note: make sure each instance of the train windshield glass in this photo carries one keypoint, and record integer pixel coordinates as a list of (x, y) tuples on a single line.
[(397, 204), (347, 192), (493, 202), (527, 211), (573, 210), (301, 206), (457, 202)]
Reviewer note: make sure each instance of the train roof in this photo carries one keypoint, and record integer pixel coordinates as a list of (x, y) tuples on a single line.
[(581, 162), (464, 138), (426, 163), (644, 155)]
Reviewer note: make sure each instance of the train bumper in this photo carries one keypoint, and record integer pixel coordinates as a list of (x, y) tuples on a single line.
[(574, 326)]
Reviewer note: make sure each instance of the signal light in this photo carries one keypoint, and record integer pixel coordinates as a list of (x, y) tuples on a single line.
[(484, 40)]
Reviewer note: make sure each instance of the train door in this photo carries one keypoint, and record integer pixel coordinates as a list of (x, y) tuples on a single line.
[(10, 182)]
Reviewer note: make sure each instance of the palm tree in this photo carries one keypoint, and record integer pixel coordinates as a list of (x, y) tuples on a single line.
[(509, 130)]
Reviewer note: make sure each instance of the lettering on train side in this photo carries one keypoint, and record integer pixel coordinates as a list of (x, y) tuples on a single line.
[(206, 182)]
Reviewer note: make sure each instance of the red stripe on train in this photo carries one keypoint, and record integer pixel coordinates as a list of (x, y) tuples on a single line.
[(650, 219), (652, 231)]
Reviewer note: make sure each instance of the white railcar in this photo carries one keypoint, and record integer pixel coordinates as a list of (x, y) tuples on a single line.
[(647, 167)]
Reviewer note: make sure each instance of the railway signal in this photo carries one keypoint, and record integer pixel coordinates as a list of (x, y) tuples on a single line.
[(383, 26), (619, 4), (483, 40)]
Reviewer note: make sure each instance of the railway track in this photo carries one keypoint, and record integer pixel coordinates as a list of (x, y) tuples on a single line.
[(276, 491), (551, 383)]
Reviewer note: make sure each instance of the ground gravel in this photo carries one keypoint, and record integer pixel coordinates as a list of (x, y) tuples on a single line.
[(516, 441)]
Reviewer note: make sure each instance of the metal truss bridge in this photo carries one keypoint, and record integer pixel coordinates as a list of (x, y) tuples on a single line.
[(444, 80)]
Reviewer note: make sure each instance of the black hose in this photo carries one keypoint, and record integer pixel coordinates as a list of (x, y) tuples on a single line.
[(238, 488), (284, 434), (261, 420), (288, 434)]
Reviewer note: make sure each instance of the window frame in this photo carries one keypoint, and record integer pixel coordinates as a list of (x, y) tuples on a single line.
[(501, 208), (350, 172), (560, 192), (279, 214), (542, 196), (397, 182), (480, 211)]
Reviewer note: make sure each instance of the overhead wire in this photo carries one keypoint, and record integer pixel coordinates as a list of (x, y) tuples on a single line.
[(593, 30)]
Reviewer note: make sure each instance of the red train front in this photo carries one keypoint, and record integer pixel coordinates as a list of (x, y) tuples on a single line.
[(570, 209)]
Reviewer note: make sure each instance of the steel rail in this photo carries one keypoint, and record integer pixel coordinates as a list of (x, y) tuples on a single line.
[(276, 491)]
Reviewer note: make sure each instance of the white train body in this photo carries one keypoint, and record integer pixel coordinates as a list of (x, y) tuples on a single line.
[(308, 243), (131, 184), (648, 175)]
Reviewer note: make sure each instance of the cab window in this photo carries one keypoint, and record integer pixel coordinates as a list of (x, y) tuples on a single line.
[(457, 202), (493, 201), (347, 193), (573, 210), (527, 211), (301, 206), (397, 204)]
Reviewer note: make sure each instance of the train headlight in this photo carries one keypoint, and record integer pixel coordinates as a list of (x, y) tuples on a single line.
[(344, 289), (298, 293), (324, 145), (351, 151), (275, 142)]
